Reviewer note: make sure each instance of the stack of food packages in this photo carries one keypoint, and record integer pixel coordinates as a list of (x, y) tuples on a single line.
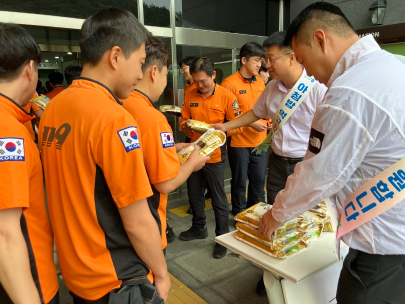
[(41, 101), (170, 109), (206, 144), (292, 237)]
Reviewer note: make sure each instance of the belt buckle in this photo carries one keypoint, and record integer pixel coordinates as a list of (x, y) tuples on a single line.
[(284, 160)]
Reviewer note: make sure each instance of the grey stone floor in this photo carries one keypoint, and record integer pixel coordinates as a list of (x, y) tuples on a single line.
[(224, 281)]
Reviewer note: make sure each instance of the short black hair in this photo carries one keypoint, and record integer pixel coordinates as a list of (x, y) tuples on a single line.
[(108, 28), (17, 48), (263, 68), (55, 78), (319, 15), (187, 60), (156, 53), (72, 72), (276, 39), (251, 49), (202, 64)]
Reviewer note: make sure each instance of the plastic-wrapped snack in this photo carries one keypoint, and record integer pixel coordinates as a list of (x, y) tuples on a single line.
[(198, 126), (289, 240), (327, 226), (253, 233), (170, 109), (41, 101), (253, 214), (298, 247), (206, 145), (286, 228), (184, 154), (321, 210), (254, 243), (313, 234)]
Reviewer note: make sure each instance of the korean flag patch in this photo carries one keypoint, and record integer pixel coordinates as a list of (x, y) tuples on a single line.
[(167, 139), (235, 105), (130, 138), (12, 149)]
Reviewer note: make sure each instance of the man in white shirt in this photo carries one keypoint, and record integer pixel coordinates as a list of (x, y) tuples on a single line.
[(360, 129), (290, 143)]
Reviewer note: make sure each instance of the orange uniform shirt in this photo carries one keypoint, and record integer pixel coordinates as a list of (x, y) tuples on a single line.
[(28, 108), (54, 92), (22, 187), (93, 164), (246, 93), (188, 87), (221, 106), (159, 152)]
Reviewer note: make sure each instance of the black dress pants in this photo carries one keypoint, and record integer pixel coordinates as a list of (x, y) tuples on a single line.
[(277, 176), (213, 176), (371, 279), (246, 165)]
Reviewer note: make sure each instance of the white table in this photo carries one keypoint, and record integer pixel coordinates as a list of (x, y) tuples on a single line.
[(308, 277)]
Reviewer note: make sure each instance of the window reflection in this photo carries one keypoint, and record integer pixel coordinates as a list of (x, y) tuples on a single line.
[(157, 12)]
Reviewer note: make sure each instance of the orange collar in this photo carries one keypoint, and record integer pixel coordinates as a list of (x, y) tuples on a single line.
[(14, 109), (88, 83)]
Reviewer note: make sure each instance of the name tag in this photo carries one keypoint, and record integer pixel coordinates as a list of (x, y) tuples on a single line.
[(242, 92), (193, 105)]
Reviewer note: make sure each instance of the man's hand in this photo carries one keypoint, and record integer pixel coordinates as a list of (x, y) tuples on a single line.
[(185, 128), (268, 224), (163, 286), (258, 126), (219, 126), (181, 146), (197, 160)]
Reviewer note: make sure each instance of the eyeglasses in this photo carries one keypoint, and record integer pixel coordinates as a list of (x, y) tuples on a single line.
[(271, 60)]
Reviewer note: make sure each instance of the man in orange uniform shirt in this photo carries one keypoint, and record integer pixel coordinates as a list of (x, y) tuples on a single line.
[(159, 149), (94, 170), (244, 164), (56, 81), (212, 104), (37, 111), (27, 271)]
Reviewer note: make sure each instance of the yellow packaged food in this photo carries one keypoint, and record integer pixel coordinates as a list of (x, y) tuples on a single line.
[(287, 241), (170, 109), (41, 101), (253, 214), (198, 126), (253, 232), (313, 234), (298, 247), (286, 228), (206, 145), (327, 227)]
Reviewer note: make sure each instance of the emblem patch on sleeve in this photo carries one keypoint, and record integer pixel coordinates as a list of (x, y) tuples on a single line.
[(315, 141), (235, 105), (12, 149), (167, 139), (130, 138)]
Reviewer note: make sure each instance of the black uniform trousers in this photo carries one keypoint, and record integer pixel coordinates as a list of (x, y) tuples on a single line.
[(277, 175), (213, 176), (246, 165), (371, 279)]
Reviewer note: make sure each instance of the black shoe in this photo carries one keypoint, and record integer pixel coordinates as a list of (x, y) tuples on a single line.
[(189, 211), (260, 288), (219, 251), (193, 234), (170, 236)]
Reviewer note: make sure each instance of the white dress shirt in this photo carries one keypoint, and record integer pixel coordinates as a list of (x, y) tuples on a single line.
[(362, 118), (292, 139)]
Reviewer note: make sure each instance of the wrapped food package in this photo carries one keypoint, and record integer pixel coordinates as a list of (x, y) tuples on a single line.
[(41, 101), (291, 237), (170, 109), (253, 214), (296, 248), (198, 126), (206, 145), (327, 227)]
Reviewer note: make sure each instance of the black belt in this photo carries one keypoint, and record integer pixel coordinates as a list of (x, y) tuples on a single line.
[(288, 160)]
